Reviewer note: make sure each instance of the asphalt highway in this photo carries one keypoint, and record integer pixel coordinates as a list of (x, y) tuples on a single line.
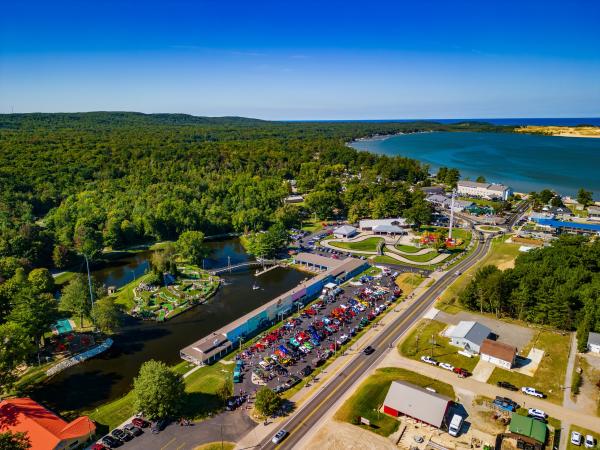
[(312, 412)]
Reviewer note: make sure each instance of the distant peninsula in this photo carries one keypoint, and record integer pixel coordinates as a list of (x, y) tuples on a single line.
[(579, 131)]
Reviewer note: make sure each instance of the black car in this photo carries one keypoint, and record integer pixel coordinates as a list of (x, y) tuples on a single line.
[(507, 385), (292, 381), (306, 371), (158, 426), (122, 435), (110, 442), (368, 350), (135, 431)]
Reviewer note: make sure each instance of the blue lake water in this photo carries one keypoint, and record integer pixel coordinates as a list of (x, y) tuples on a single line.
[(525, 162)]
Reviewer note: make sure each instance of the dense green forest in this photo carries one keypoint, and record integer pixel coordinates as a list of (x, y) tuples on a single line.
[(558, 285), (119, 178)]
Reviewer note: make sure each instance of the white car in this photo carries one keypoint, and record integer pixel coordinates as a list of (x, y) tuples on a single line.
[(344, 338), (531, 391), (429, 360), (575, 438), (280, 436), (447, 366), (536, 413), (589, 441)]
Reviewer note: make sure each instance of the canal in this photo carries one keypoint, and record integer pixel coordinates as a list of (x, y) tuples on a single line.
[(110, 375)]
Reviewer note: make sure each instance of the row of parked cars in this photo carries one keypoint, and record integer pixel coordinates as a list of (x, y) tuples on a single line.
[(577, 439), (135, 428), (463, 373), (525, 389)]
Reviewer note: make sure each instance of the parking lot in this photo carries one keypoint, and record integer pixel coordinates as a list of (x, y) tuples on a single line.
[(284, 356)]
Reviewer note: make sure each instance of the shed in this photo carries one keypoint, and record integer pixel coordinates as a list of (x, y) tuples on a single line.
[(345, 231), (416, 402), (498, 353), (528, 428), (468, 335), (593, 342)]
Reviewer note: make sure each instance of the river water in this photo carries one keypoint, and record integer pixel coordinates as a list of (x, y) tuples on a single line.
[(110, 375)]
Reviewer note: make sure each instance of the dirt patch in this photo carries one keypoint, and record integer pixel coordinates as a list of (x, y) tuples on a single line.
[(334, 435), (507, 265)]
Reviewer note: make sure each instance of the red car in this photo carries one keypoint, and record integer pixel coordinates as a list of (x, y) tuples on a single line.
[(138, 422), (97, 446), (461, 372)]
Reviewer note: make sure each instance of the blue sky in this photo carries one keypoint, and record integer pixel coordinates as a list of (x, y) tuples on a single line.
[(303, 59)]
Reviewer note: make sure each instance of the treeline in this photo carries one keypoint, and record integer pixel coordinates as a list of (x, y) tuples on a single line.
[(558, 285), (121, 178)]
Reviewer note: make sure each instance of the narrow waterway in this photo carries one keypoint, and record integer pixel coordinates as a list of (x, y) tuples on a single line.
[(110, 375)]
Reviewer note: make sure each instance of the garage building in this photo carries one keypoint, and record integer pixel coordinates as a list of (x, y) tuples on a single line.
[(468, 335), (416, 402), (498, 353)]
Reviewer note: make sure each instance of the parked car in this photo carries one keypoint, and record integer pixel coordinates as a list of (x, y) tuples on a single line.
[(455, 425), (306, 371), (135, 431), (280, 436), (98, 446), (531, 391), (507, 385), (536, 413), (575, 438), (368, 350), (139, 422), (589, 441), (122, 435), (505, 403), (157, 426), (110, 442), (461, 372), (447, 366), (429, 360)]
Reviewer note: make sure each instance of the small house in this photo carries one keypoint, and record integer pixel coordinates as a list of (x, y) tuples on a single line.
[(468, 335), (527, 432), (498, 353)]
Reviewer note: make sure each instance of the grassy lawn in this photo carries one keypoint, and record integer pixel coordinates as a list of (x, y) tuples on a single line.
[(426, 257), (311, 226), (490, 228), (124, 295), (407, 248), (501, 254), (384, 259), (217, 446), (368, 245), (370, 395), (419, 343), (583, 431), (481, 201), (63, 278), (550, 375), (201, 388), (408, 282)]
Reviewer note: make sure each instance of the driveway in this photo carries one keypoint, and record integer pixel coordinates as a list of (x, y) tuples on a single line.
[(228, 426), (507, 332)]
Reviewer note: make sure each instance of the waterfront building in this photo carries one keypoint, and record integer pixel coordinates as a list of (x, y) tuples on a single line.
[(593, 212), (216, 345), (559, 227), (46, 430), (489, 191)]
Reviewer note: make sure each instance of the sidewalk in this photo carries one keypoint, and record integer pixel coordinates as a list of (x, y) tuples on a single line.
[(258, 434)]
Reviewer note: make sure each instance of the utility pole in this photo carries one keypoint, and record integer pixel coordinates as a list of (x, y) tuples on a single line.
[(451, 214), (87, 264)]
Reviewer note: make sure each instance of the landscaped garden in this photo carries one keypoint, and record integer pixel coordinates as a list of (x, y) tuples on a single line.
[(190, 287), (366, 245), (368, 398)]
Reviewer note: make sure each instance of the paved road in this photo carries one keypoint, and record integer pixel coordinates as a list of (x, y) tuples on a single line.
[(312, 412)]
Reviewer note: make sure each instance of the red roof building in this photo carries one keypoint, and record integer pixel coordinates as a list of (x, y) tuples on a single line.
[(46, 431)]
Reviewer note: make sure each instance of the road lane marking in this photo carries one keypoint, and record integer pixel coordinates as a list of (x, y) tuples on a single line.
[(168, 443)]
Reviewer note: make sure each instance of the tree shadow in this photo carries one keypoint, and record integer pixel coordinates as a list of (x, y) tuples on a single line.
[(198, 405)]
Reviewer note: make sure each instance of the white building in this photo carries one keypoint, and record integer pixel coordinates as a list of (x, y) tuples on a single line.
[(345, 231), (293, 199), (593, 342), (498, 353), (593, 212), (369, 224), (468, 335), (444, 202), (484, 190)]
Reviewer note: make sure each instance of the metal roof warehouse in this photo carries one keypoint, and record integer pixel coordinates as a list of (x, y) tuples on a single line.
[(416, 402)]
